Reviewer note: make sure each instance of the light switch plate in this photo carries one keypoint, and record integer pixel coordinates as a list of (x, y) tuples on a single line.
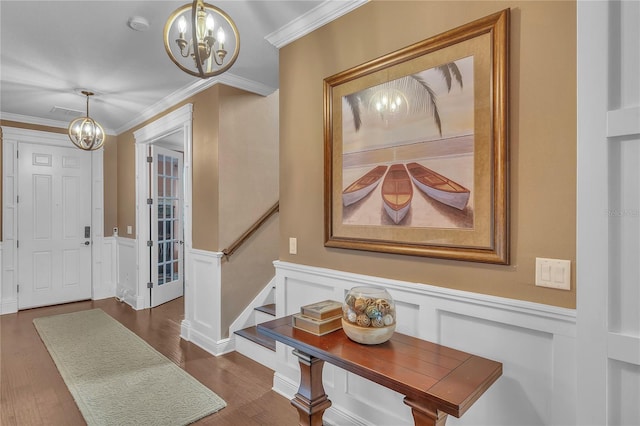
[(293, 245), (553, 273)]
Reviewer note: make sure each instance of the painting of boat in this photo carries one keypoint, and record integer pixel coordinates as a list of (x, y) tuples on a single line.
[(397, 192), (363, 186), (439, 187)]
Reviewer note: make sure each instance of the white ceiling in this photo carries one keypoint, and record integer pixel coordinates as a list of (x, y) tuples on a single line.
[(49, 49)]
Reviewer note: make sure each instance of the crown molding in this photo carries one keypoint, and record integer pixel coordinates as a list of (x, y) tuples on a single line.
[(27, 119), (315, 18), (193, 89)]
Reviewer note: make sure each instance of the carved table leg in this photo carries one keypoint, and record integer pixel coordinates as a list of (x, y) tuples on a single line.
[(310, 401), (424, 415)]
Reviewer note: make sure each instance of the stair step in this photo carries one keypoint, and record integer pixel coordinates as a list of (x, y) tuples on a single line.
[(251, 333), (267, 309)]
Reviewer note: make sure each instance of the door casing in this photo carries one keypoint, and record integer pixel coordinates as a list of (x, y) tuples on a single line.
[(162, 127)]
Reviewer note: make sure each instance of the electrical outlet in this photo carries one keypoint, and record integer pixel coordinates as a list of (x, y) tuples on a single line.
[(553, 273)]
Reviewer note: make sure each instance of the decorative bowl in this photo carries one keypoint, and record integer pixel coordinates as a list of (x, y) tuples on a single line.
[(368, 315)]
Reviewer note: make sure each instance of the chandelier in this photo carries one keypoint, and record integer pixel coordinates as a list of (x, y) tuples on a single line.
[(209, 50), (85, 132)]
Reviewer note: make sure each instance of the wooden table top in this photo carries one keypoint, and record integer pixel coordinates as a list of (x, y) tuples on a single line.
[(449, 379)]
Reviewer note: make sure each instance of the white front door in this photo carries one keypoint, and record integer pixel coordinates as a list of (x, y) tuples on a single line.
[(54, 218), (167, 277)]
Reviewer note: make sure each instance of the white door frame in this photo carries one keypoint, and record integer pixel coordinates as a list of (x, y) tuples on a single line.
[(164, 126), (11, 138)]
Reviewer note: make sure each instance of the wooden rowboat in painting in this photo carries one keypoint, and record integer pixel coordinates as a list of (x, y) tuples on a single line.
[(397, 192), (363, 186), (439, 187)]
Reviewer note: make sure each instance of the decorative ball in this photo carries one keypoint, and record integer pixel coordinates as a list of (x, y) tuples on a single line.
[(351, 316), (377, 322), (372, 311), (388, 319), (361, 304), (363, 320)]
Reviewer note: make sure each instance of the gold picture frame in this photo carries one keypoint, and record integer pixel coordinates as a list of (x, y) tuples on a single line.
[(416, 148)]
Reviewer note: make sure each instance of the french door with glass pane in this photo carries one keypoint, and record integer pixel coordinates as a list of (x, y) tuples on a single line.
[(167, 276)]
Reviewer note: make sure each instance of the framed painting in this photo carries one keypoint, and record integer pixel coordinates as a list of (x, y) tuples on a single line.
[(416, 148)]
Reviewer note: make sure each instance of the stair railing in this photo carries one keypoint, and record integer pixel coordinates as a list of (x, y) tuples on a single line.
[(249, 232)]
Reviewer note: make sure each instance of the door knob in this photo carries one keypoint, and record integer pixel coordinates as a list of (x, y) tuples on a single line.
[(86, 243)]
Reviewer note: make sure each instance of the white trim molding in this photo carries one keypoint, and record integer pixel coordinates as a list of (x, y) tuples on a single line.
[(322, 14), (535, 343)]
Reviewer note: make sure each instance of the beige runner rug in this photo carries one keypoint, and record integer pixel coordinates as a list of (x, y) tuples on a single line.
[(116, 378)]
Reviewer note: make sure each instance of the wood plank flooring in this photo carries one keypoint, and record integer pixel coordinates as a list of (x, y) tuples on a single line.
[(32, 391)]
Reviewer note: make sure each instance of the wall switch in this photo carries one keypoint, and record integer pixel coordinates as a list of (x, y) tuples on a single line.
[(293, 246), (129, 229), (553, 273)]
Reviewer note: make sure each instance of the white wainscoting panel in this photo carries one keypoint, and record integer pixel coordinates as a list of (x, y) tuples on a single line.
[(534, 342), (105, 271), (202, 322), (126, 289)]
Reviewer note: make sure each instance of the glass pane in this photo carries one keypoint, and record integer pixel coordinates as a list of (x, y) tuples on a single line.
[(160, 164), (167, 252), (167, 166), (174, 187), (160, 186), (169, 230), (160, 230), (160, 274), (174, 169), (168, 214)]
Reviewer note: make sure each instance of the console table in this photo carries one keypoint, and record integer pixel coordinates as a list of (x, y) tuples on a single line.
[(436, 380)]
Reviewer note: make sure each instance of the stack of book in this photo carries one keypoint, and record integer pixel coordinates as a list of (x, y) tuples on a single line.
[(319, 318)]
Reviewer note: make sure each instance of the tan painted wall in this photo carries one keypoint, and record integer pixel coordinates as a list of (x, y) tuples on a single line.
[(542, 137), (110, 172), (205, 171), (249, 174)]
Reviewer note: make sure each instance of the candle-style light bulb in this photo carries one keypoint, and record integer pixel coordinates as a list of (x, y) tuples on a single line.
[(209, 24), (182, 26), (221, 38)]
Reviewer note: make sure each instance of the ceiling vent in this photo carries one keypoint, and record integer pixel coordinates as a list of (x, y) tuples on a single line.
[(66, 112)]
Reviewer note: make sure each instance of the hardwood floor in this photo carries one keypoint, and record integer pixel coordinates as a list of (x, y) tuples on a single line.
[(32, 391)]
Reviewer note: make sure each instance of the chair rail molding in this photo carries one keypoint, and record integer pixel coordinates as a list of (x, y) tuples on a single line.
[(536, 344)]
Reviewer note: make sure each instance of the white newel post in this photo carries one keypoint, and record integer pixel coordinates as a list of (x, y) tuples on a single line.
[(203, 306)]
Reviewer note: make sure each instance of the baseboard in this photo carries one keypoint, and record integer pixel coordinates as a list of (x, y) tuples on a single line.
[(215, 348), (9, 307)]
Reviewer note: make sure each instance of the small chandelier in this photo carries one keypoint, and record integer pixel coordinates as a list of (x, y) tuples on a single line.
[(202, 54), (85, 132)]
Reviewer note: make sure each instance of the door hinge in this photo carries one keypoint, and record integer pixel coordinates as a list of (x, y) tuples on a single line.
[(149, 159), (17, 199), (17, 154), (17, 243), (150, 243), (149, 201), (18, 288), (149, 285)]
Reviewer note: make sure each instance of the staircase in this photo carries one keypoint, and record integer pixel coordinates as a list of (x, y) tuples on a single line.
[(254, 345)]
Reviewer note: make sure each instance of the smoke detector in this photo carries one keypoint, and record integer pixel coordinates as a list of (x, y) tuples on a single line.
[(138, 23)]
